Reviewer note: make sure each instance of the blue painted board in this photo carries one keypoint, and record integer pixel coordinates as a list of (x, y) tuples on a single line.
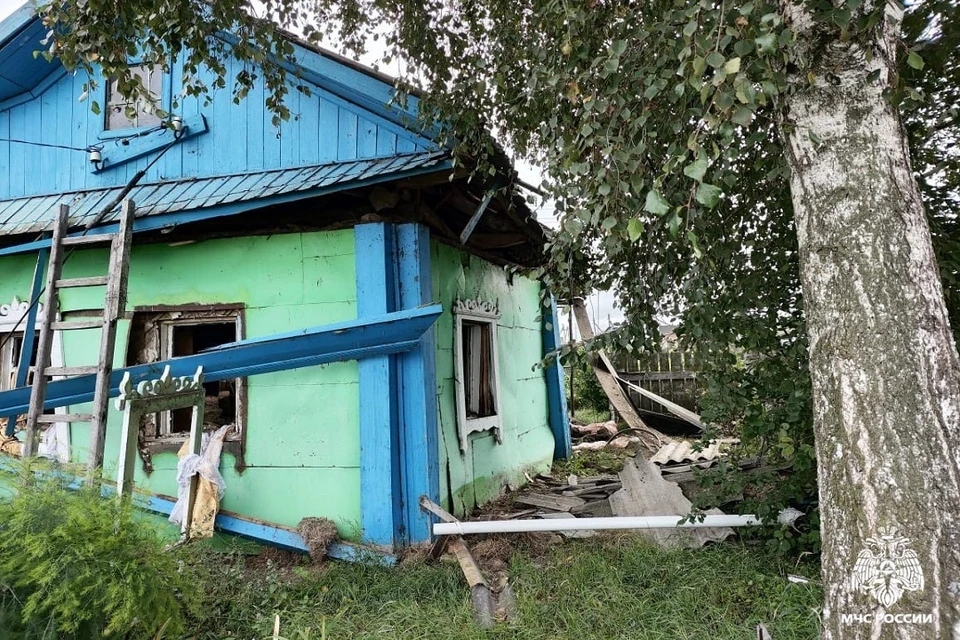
[(418, 422), (381, 517), (556, 392), (356, 339)]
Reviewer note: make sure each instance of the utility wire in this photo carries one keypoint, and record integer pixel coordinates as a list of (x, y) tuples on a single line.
[(99, 145), (44, 144), (96, 220)]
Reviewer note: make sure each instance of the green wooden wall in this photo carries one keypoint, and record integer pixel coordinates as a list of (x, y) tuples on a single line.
[(302, 428), (302, 447), (481, 472)]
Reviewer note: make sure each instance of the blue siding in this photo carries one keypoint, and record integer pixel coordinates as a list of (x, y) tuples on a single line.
[(241, 137)]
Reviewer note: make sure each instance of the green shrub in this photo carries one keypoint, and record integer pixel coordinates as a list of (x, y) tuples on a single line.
[(75, 565), (589, 397)]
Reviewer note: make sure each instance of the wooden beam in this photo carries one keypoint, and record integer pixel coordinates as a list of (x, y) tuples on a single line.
[(556, 390), (380, 485), (419, 434), (649, 437), (351, 340)]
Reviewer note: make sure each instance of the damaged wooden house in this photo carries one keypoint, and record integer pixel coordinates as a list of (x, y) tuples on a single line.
[(255, 235)]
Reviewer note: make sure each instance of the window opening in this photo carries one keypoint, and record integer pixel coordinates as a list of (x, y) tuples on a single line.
[(221, 397), (477, 341), (121, 113), (477, 375)]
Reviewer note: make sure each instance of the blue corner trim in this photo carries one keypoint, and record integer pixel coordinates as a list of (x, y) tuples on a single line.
[(419, 441), (556, 391), (379, 427)]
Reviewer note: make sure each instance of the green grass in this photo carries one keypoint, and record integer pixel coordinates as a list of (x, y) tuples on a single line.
[(589, 415), (591, 463), (618, 587)]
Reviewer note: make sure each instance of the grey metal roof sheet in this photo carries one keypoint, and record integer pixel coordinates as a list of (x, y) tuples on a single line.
[(33, 214)]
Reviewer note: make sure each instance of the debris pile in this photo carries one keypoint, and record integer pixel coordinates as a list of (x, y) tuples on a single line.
[(318, 534), (601, 435)]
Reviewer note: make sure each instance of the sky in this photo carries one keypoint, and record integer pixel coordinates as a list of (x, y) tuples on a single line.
[(601, 305)]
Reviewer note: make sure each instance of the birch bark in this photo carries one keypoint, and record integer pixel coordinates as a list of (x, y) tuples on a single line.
[(884, 367)]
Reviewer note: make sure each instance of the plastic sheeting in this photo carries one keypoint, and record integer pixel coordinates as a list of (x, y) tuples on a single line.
[(210, 487)]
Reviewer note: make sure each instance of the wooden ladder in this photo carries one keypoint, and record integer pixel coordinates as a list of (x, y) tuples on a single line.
[(113, 310)]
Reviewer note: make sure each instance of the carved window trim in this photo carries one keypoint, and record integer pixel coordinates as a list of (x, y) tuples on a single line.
[(485, 314)]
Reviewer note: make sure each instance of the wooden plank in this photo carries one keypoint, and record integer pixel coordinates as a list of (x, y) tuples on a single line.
[(335, 342), (670, 406), (97, 238), (419, 434), (195, 442), (659, 375), (649, 437), (51, 418), (39, 388), (559, 416), (93, 281), (128, 451), (68, 325), (114, 306), (70, 371), (546, 501), (380, 509)]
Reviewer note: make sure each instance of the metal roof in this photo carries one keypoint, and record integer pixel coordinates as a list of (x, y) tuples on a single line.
[(683, 451), (210, 197)]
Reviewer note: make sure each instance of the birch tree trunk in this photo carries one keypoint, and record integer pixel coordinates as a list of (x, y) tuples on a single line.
[(884, 367)]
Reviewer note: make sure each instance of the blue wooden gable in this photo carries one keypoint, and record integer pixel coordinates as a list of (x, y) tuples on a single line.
[(46, 132)]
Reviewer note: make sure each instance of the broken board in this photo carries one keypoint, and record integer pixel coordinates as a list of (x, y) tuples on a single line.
[(650, 437), (646, 493)]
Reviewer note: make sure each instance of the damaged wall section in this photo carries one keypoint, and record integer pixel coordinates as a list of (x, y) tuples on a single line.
[(479, 473), (302, 425)]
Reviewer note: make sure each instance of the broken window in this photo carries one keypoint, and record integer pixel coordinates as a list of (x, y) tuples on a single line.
[(477, 375), (122, 113), (10, 359), (186, 338), (166, 334)]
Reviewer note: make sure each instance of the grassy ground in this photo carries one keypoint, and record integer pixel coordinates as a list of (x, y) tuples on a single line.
[(615, 587)]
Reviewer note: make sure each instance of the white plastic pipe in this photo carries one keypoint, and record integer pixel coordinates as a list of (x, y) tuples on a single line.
[(596, 524)]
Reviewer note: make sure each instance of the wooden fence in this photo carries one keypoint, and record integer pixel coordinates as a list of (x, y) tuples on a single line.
[(671, 374)]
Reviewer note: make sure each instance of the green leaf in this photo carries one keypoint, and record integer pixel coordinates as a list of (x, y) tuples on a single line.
[(696, 169), (715, 59), (708, 195), (95, 108), (655, 203), (618, 47), (914, 60), (766, 43), (742, 116), (699, 65), (695, 243), (690, 28), (604, 189), (743, 47), (673, 225), (634, 229), (732, 65)]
